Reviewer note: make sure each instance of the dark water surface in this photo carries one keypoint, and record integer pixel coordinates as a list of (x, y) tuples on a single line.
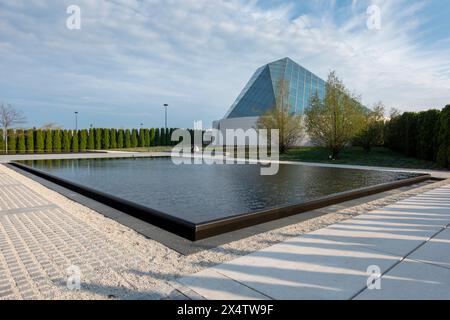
[(200, 193)]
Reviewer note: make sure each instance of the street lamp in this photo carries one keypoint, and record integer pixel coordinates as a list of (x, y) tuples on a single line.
[(165, 119), (76, 120)]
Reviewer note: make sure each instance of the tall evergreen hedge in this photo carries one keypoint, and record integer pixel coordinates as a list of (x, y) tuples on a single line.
[(113, 138), (29, 135), (120, 139), (105, 139), (21, 146), (91, 139), (83, 140), (127, 140), (443, 152), (57, 141), (134, 138), (2, 142), (48, 141), (39, 141), (11, 135), (66, 141), (141, 138), (75, 144), (98, 139)]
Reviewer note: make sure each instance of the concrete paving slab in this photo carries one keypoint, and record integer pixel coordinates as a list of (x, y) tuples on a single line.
[(307, 268), (412, 280), (397, 229), (213, 285), (436, 251)]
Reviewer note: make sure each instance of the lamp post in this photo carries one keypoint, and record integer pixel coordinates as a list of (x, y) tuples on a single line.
[(76, 120), (165, 119)]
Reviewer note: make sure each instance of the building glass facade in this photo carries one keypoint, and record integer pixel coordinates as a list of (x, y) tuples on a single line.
[(260, 93)]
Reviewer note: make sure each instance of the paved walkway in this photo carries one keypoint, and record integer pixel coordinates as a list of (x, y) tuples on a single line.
[(408, 242), (39, 241)]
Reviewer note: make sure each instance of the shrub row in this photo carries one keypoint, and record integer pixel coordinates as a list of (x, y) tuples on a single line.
[(55, 141), (424, 135)]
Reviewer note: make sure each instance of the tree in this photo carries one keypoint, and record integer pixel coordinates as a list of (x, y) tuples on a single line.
[(120, 137), (335, 121), (141, 138), (12, 142), (91, 139), (66, 141), (147, 137), (152, 137), (9, 117), (134, 138), (40, 141), (443, 155), (113, 138), (21, 146), (279, 117), (83, 140), (51, 126), (127, 141), (428, 132), (98, 139), (75, 145), (371, 133), (2, 142), (57, 141), (30, 140), (48, 141), (157, 141), (105, 139)]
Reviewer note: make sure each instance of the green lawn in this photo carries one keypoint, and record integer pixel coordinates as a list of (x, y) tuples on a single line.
[(145, 149), (380, 157)]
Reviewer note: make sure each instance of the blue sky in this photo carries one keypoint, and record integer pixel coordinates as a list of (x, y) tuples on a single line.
[(132, 56)]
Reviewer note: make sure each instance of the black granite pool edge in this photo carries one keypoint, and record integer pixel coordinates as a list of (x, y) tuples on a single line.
[(195, 232)]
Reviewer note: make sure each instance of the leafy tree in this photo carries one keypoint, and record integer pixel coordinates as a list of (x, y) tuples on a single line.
[(30, 140), (120, 139), (113, 138), (39, 141), (127, 139), (21, 146), (48, 141), (75, 142), (56, 141), (335, 121), (91, 139), (372, 131), (98, 139), (83, 140), (106, 144), (66, 141), (134, 138), (443, 155), (279, 117)]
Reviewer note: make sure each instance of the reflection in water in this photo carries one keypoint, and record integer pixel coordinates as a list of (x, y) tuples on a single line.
[(200, 193)]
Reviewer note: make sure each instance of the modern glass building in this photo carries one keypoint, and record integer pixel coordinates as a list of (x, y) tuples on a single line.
[(260, 93)]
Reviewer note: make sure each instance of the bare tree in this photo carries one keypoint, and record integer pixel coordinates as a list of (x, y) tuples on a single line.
[(281, 118), (9, 117), (51, 126)]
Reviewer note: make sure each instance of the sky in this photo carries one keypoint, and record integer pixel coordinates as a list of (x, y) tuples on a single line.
[(130, 57)]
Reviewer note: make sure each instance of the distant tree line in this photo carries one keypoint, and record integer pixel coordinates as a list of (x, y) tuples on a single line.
[(424, 135), (22, 141)]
